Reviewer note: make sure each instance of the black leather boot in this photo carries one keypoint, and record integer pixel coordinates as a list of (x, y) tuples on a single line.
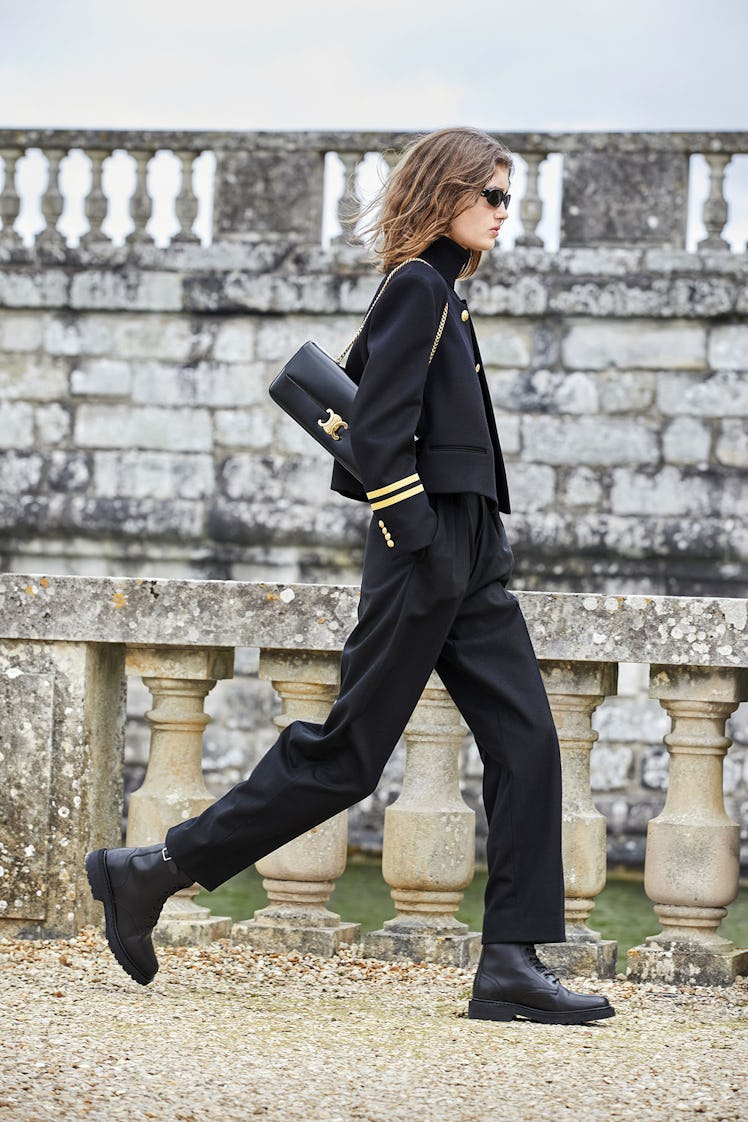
[(511, 981), (133, 885)]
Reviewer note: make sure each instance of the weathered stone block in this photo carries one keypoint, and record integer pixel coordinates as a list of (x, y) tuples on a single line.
[(79, 335), (235, 340), (509, 433), (724, 394), (16, 425), (592, 959), (118, 426), (20, 331), (160, 336), (205, 383), (728, 347), (278, 339), (687, 440), (543, 391), (637, 344), (20, 472), (52, 423), (682, 963), (153, 475), (461, 950), (102, 377), (582, 488), (32, 377), (33, 288), (249, 428), (610, 767), (182, 519), (588, 440), (62, 715), (732, 444), (68, 471), (626, 391), (655, 769), (667, 491), (533, 486), (505, 342), (128, 289), (253, 185), (651, 210)]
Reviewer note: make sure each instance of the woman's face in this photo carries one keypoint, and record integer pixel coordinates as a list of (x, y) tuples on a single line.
[(478, 226)]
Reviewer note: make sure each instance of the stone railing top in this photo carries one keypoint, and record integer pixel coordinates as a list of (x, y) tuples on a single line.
[(580, 627), (197, 140)]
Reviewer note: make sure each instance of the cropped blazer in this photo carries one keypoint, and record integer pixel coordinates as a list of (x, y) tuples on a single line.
[(416, 428)]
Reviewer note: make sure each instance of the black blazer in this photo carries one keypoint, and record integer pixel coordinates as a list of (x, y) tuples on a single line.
[(417, 428)]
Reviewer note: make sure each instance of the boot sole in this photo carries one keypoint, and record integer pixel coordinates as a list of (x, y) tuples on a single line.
[(479, 1010), (98, 878)]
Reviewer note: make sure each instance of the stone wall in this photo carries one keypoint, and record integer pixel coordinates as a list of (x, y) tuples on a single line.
[(137, 438)]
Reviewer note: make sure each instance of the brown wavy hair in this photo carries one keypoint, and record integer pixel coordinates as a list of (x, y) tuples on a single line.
[(437, 176)]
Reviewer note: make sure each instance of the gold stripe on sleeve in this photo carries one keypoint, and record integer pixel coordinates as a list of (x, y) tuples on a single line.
[(397, 498), (392, 486)]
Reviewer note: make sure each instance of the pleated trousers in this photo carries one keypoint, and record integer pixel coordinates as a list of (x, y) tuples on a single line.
[(445, 608)]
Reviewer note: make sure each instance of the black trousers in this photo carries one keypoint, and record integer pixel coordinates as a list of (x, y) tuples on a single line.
[(446, 608)]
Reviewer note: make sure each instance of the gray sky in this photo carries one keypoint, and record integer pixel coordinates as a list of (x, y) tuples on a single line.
[(531, 64)]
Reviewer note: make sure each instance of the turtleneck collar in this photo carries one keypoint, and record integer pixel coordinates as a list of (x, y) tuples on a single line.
[(447, 257)]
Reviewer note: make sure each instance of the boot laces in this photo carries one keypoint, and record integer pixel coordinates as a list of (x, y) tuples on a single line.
[(532, 958)]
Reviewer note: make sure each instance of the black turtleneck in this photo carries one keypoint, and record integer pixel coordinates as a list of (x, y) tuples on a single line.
[(447, 257)]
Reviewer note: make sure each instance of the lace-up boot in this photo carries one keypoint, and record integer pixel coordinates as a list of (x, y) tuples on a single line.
[(511, 981), (133, 885)]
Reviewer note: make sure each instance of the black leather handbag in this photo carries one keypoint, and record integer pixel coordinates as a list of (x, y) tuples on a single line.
[(314, 389)]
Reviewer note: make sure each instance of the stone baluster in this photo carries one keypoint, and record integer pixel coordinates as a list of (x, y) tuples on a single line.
[(96, 202), (349, 202), (715, 207), (173, 789), (531, 205), (186, 201), (10, 203), (692, 865), (575, 689), (52, 203), (300, 876), (428, 854), (140, 204)]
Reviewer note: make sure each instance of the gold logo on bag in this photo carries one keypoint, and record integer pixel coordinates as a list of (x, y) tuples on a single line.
[(332, 424)]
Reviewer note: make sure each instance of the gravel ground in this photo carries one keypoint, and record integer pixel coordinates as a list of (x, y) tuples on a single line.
[(225, 1034)]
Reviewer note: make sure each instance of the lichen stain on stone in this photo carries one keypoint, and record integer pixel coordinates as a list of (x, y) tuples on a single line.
[(271, 596), (30, 590), (736, 613), (44, 582), (119, 599)]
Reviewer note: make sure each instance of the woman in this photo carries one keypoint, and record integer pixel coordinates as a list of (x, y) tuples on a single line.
[(433, 595)]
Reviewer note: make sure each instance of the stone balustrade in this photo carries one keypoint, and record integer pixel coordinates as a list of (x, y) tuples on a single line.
[(67, 643), (256, 173)]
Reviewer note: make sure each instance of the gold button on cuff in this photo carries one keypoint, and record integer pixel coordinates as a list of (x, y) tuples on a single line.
[(477, 368), (390, 544), (465, 316), (381, 524)]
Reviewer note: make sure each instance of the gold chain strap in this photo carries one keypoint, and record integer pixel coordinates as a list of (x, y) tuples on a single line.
[(388, 278), (439, 331)]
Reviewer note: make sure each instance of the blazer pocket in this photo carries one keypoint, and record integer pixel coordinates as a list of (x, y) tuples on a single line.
[(474, 448)]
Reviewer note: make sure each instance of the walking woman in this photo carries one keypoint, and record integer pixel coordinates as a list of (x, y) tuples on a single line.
[(433, 595)]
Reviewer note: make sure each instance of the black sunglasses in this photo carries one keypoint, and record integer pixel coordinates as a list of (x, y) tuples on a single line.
[(496, 196)]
